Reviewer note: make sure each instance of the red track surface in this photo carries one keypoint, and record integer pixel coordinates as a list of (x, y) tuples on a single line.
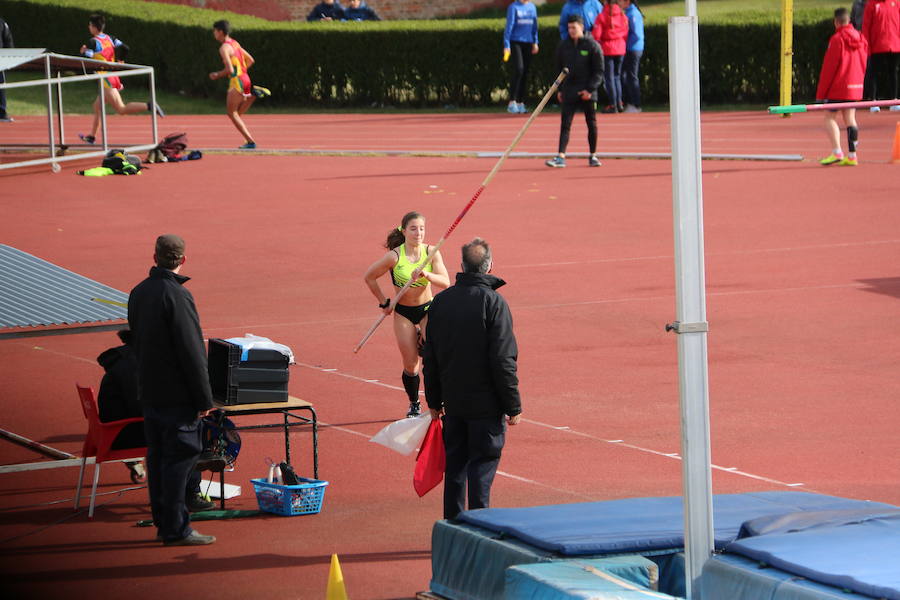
[(803, 287)]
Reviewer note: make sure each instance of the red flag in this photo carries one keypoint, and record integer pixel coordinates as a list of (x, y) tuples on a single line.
[(431, 460)]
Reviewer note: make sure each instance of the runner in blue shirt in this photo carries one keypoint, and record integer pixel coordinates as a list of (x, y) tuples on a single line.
[(520, 41)]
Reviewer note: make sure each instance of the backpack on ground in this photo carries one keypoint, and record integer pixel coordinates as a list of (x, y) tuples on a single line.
[(173, 146), (122, 163)]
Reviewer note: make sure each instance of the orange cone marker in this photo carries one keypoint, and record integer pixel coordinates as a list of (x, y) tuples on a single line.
[(895, 154), (336, 590)]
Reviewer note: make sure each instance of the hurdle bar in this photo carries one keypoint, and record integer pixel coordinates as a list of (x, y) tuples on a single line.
[(801, 108)]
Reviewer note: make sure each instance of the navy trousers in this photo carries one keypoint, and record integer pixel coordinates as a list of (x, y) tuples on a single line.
[(473, 449), (631, 82), (173, 445)]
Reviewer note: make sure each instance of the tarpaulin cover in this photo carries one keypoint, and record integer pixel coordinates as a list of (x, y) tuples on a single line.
[(738, 578), (858, 552), (621, 578), (636, 525)]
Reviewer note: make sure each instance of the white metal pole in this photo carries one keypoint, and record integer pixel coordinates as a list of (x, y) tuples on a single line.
[(690, 294), (103, 115), (690, 8), (50, 132), (59, 108), (153, 123)]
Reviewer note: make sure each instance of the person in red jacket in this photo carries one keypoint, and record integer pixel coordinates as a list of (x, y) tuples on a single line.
[(881, 28), (611, 31), (841, 80)]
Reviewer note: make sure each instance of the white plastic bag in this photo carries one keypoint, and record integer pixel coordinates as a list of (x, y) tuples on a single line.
[(250, 341), (405, 435)]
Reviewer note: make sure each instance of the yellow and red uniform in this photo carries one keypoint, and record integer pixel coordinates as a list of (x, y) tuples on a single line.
[(105, 49), (238, 79)]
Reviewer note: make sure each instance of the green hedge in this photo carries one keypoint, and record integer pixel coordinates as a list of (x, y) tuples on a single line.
[(416, 63)]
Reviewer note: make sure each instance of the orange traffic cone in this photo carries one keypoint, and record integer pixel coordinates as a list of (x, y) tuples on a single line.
[(336, 590), (895, 154)]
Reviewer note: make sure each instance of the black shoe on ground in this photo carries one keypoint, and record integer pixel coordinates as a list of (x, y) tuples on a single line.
[(415, 409), (209, 461), (196, 503), (194, 539)]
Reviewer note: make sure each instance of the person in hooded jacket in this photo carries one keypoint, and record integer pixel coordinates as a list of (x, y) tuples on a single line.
[(611, 30), (470, 364), (881, 28), (586, 9), (841, 80)]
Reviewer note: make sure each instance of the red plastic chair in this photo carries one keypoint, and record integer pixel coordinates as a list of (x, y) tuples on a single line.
[(100, 437)]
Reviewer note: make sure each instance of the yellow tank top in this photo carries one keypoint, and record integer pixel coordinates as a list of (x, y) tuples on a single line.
[(403, 269)]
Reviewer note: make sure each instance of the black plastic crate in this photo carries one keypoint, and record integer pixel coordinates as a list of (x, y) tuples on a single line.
[(263, 377)]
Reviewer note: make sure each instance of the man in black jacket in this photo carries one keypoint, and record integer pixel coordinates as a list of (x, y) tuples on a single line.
[(469, 361), (6, 41), (584, 59), (173, 387)]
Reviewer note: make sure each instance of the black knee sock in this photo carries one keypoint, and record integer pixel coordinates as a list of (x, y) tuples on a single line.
[(852, 137), (411, 385)]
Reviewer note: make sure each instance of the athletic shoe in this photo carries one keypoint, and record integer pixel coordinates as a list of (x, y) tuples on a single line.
[(594, 162), (620, 108), (512, 108), (415, 409), (893, 108), (522, 109), (848, 162), (195, 538), (6, 119), (196, 503), (87, 139), (261, 92), (608, 109), (248, 146), (557, 162), (831, 159), (631, 108), (874, 109), (157, 108)]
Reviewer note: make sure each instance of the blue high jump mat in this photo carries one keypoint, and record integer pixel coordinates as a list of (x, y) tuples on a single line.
[(855, 550), (469, 557)]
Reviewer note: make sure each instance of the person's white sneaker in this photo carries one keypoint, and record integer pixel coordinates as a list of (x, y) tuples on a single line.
[(874, 109), (895, 107), (631, 108)]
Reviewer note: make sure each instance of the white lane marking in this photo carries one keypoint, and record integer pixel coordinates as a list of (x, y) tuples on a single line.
[(708, 254), (568, 430)]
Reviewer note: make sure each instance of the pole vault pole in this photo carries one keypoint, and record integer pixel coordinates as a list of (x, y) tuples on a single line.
[(484, 184), (802, 108)]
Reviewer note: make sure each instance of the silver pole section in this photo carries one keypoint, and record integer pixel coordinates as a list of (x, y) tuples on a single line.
[(50, 130), (59, 108), (153, 107), (690, 294), (103, 115), (690, 7)]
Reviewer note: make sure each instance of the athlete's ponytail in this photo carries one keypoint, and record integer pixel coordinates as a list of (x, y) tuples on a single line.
[(396, 236)]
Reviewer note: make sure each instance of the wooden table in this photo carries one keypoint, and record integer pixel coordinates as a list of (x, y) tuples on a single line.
[(287, 410)]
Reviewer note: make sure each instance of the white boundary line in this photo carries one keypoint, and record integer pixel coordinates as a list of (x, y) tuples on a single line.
[(563, 429)]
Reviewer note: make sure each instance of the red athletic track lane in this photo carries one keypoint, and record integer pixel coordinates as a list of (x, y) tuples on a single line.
[(723, 133), (803, 290)]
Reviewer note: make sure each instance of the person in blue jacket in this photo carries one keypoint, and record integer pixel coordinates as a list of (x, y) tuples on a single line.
[(586, 9), (359, 11), (634, 49), (520, 41)]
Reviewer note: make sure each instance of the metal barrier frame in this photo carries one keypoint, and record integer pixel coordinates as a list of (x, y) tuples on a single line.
[(121, 70)]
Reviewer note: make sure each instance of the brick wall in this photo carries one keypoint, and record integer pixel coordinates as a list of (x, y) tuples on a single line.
[(283, 10)]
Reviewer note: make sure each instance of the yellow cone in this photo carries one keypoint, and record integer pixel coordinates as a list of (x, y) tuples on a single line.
[(336, 589)]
